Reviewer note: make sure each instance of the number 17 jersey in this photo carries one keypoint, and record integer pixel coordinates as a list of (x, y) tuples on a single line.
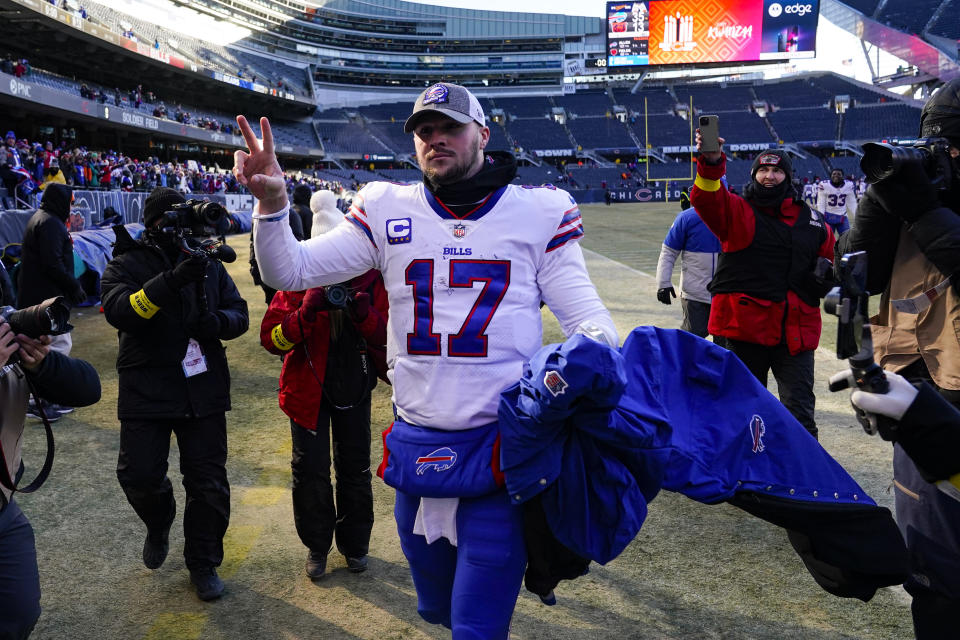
[(465, 292)]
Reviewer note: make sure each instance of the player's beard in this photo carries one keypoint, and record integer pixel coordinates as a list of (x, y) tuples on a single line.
[(457, 171)]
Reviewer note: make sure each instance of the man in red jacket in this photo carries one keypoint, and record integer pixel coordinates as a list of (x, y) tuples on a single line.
[(767, 287), (325, 385)]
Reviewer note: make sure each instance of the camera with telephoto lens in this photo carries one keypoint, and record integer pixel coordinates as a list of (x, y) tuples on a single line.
[(198, 218), (883, 160), (48, 318), (338, 295), (849, 302)]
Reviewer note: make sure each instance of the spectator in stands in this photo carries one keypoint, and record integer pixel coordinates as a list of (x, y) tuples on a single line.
[(332, 355), (697, 247), (6, 65), (10, 164), (911, 233), (20, 69), (767, 287), (171, 311)]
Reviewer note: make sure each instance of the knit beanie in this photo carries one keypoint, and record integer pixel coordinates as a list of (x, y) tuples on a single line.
[(940, 117), (159, 202), (774, 158), (326, 216)]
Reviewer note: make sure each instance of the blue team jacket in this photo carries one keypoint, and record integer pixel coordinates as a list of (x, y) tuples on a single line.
[(599, 432)]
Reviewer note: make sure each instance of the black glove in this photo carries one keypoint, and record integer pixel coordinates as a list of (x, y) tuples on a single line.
[(205, 327), (78, 295), (908, 193), (663, 295), (193, 269)]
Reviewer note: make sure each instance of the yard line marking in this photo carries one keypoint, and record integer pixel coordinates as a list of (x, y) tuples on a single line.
[(177, 626), (237, 543), (594, 254)]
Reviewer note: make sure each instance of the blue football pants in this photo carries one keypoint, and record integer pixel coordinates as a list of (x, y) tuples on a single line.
[(471, 588)]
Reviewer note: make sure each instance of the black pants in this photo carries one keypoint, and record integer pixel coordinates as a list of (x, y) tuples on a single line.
[(316, 516), (142, 472), (929, 520), (695, 316), (793, 373), (19, 576)]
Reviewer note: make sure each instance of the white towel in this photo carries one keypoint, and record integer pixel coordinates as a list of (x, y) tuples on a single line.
[(437, 518)]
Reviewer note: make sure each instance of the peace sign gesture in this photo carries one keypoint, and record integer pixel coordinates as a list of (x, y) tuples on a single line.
[(258, 169)]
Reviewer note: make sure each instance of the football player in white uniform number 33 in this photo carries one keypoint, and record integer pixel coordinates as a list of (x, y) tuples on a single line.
[(467, 259)]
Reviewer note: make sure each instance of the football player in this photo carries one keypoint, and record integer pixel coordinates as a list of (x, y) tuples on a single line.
[(837, 201), (466, 257)]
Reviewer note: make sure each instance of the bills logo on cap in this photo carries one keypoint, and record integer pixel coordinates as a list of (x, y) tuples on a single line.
[(554, 383), (770, 158), (436, 94)]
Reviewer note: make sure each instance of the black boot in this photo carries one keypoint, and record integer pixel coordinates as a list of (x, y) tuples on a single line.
[(155, 548), (208, 583)]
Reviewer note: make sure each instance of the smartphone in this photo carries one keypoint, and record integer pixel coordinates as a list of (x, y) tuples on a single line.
[(709, 133)]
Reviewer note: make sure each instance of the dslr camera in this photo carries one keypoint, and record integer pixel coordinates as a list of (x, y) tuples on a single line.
[(48, 318), (849, 301), (883, 160), (197, 218), (200, 219), (338, 295)]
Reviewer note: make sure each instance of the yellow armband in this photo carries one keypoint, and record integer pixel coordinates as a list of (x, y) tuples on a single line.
[(142, 305), (706, 184), (279, 340)]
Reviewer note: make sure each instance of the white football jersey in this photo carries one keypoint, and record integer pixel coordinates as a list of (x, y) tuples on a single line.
[(464, 293), (837, 200)]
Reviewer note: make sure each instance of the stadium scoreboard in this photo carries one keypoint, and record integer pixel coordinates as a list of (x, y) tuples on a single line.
[(665, 32)]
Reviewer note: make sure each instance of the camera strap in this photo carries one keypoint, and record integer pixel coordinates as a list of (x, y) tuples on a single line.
[(923, 301), (5, 478)]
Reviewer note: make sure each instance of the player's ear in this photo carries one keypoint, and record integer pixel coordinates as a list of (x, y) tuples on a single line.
[(484, 137)]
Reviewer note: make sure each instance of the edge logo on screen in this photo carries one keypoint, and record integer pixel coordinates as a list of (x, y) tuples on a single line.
[(800, 9)]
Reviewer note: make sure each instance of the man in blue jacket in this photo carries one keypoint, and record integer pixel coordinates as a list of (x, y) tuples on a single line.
[(691, 240)]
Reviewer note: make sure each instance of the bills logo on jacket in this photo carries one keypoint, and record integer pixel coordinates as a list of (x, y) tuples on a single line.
[(757, 431), (439, 460)]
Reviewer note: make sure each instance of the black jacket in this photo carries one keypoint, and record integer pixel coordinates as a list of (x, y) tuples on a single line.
[(46, 267), (153, 384), (874, 230)]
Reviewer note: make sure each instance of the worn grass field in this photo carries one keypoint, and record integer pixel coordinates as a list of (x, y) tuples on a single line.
[(693, 571)]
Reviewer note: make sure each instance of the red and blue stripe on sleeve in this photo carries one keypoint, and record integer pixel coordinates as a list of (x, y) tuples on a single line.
[(570, 228), (358, 216)]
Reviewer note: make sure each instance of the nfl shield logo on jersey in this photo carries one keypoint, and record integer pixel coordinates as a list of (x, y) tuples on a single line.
[(554, 383), (459, 230)]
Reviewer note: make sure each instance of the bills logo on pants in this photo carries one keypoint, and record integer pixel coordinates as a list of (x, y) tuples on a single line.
[(439, 460)]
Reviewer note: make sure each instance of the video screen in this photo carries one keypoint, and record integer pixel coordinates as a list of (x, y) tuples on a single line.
[(663, 32)]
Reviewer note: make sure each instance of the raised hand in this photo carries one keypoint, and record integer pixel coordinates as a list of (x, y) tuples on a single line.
[(258, 169), (711, 157)]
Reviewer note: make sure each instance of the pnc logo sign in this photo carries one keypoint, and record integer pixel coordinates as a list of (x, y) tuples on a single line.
[(801, 10), (18, 88)]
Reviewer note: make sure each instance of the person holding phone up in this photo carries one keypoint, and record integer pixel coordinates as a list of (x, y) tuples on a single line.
[(772, 270)]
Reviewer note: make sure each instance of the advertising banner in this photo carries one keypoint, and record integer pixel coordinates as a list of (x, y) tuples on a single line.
[(668, 32)]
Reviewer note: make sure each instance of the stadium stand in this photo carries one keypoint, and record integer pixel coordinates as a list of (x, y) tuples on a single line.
[(947, 23), (866, 7), (539, 133), (600, 132), (805, 124), (911, 17), (872, 122)]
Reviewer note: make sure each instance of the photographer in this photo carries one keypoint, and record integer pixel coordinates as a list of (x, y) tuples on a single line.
[(766, 290), (332, 355), (25, 360), (172, 305), (923, 424), (910, 228)]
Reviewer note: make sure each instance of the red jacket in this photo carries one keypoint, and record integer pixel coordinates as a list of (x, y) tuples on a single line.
[(301, 386), (732, 220)]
